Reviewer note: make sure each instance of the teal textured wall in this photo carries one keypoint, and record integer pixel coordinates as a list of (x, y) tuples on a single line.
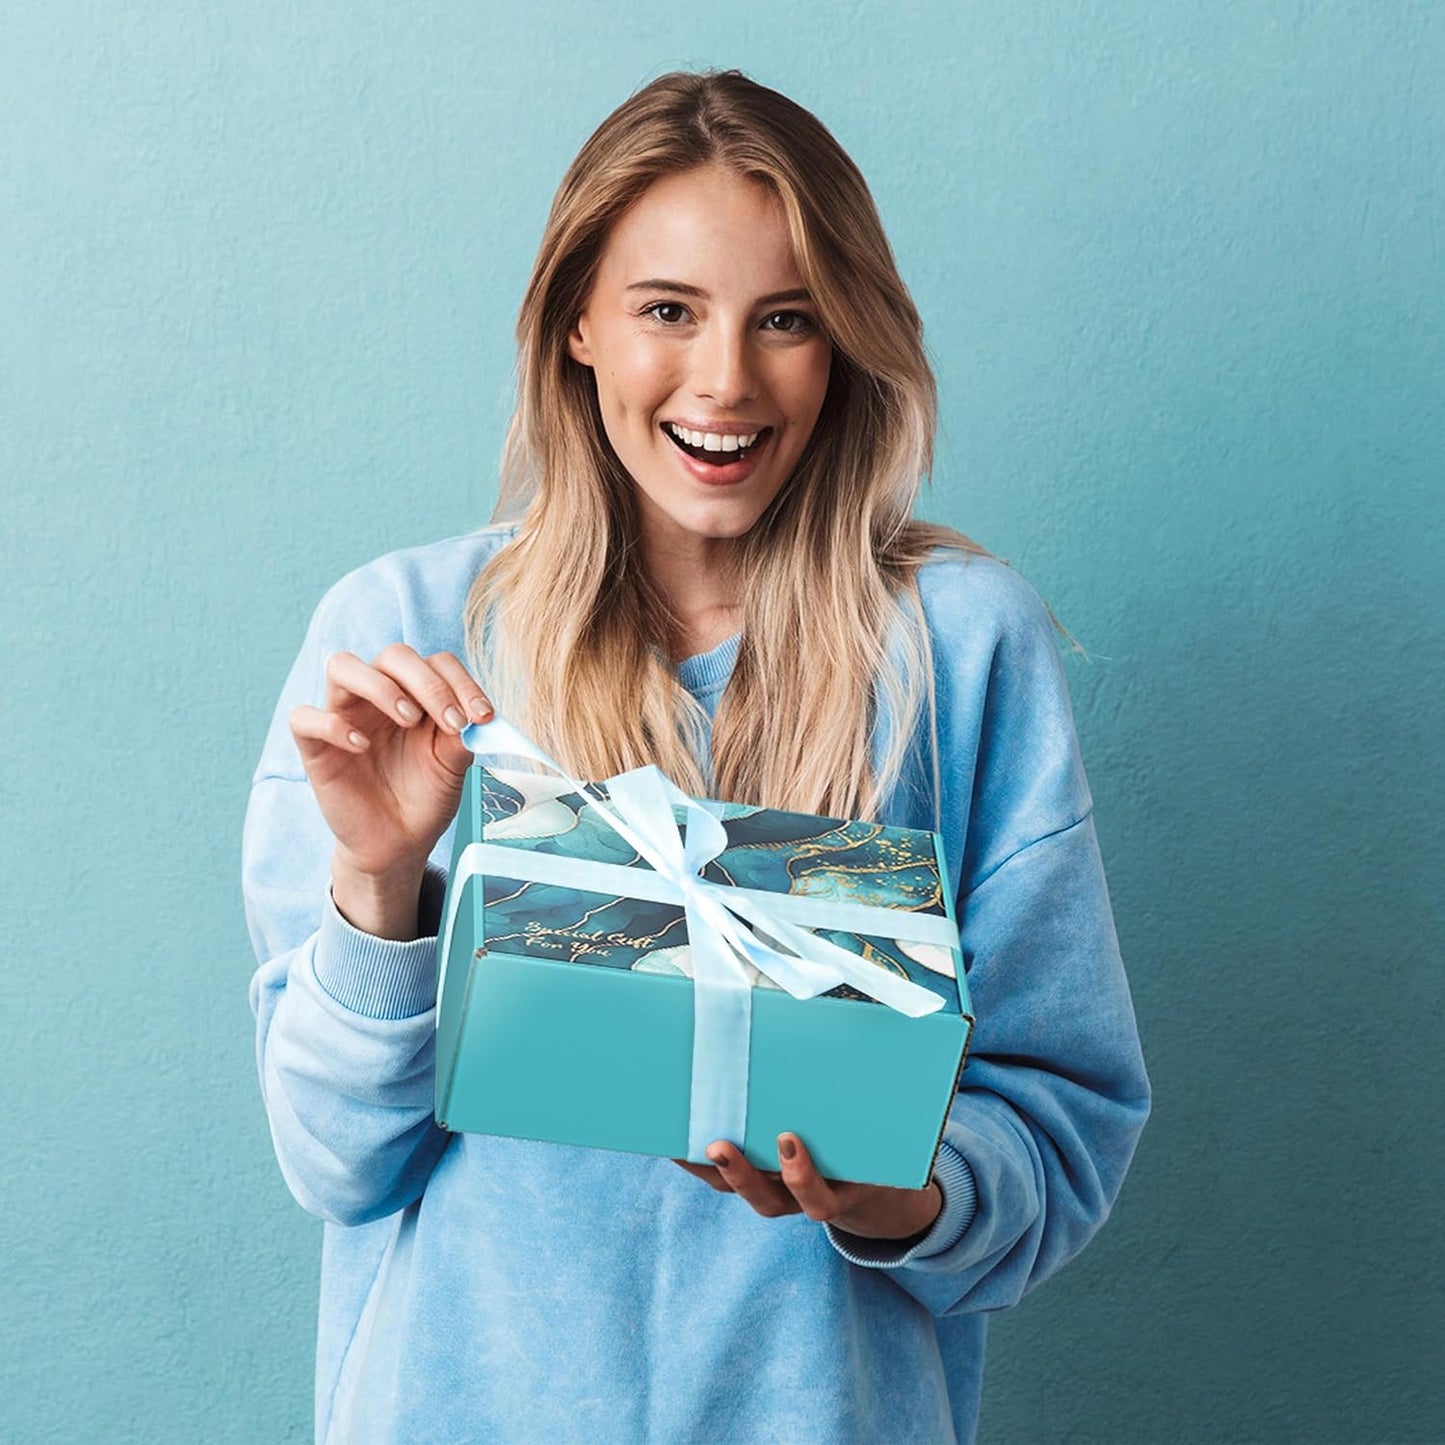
[(1180, 267)]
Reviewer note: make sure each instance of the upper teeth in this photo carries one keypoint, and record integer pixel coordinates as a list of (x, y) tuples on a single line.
[(710, 440)]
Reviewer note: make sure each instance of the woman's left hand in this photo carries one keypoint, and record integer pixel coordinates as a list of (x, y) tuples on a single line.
[(871, 1211)]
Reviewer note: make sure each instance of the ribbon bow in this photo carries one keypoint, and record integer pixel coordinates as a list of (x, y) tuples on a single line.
[(641, 811)]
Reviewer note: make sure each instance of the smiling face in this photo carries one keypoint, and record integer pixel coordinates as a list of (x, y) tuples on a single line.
[(705, 347)]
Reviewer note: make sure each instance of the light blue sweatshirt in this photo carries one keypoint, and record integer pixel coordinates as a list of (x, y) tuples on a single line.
[(476, 1288)]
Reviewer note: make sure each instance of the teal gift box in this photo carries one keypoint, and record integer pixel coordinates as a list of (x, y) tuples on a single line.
[(566, 1010)]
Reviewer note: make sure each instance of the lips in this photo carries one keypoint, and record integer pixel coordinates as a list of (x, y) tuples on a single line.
[(716, 458), (719, 468)]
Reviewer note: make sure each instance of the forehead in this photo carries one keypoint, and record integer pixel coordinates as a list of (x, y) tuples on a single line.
[(708, 227)]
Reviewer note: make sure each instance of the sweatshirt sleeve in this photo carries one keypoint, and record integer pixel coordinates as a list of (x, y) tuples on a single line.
[(1054, 1093), (345, 1021)]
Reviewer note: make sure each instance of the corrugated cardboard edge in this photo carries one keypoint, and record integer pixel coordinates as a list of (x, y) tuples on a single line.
[(952, 1094)]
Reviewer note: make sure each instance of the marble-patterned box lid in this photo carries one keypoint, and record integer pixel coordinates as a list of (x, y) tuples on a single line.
[(779, 852)]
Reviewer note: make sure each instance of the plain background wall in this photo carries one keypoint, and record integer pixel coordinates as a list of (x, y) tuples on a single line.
[(1181, 272)]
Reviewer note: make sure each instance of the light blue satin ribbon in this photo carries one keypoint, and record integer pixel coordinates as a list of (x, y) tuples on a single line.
[(641, 811)]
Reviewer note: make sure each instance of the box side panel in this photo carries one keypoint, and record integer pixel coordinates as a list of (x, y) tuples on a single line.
[(464, 940), (575, 1055), (864, 1087), (603, 1057)]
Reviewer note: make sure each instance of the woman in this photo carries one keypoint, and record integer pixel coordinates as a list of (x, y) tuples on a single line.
[(724, 413)]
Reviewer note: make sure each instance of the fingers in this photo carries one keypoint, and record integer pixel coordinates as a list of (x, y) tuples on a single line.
[(474, 702), (767, 1194), (873, 1211), (814, 1195), (405, 687), (311, 726), (797, 1189), (708, 1175)]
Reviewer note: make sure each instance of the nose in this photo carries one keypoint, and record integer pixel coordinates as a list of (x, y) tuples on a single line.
[(723, 367)]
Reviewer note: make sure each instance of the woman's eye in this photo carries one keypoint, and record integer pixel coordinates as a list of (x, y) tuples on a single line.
[(792, 321), (668, 312)]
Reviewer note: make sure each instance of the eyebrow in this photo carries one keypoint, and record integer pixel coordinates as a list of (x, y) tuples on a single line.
[(680, 288)]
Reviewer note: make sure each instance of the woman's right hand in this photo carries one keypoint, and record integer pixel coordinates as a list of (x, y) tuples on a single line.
[(386, 761)]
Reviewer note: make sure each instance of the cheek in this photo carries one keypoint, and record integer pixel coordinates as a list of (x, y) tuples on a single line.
[(637, 378), (807, 389), (808, 382)]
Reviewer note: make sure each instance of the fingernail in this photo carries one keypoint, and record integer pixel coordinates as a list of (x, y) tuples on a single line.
[(454, 719), (786, 1147), (720, 1159), (481, 709), (407, 711), (358, 740)]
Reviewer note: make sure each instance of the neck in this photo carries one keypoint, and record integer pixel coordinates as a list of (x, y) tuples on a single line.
[(697, 579)]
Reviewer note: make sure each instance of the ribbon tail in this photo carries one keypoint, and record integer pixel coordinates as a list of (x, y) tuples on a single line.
[(833, 965)]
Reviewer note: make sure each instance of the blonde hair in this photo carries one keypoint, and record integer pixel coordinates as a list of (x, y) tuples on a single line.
[(564, 628)]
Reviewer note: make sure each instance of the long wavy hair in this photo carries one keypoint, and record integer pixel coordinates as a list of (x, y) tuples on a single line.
[(564, 628)]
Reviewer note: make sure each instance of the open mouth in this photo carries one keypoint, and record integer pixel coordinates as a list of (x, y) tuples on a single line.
[(717, 457)]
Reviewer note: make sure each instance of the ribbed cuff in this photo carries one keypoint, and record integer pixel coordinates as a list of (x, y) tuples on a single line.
[(960, 1203), (382, 978)]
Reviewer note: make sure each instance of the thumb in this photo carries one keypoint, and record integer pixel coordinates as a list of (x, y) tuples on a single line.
[(452, 752)]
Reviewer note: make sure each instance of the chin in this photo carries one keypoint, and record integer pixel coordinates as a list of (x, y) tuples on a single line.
[(720, 529)]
